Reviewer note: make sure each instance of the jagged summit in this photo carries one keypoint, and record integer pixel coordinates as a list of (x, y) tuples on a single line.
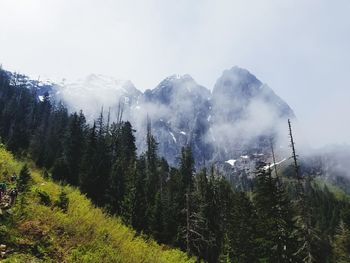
[(237, 82), (176, 87), (175, 77), (237, 88)]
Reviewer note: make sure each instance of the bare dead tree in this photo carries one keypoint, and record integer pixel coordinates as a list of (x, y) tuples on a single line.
[(187, 223), (294, 155), (108, 121), (308, 234), (273, 156), (120, 113)]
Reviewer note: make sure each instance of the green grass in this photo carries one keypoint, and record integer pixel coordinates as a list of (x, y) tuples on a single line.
[(38, 231)]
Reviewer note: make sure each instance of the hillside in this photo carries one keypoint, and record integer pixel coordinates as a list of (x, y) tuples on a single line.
[(36, 229)]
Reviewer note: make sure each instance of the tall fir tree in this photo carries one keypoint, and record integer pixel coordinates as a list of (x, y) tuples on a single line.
[(276, 226)]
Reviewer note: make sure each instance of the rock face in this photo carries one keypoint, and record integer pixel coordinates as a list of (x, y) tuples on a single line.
[(245, 113), (183, 106), (237, 118)]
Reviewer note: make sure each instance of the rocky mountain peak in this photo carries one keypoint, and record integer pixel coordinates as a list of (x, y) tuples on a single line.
[(237, 82)]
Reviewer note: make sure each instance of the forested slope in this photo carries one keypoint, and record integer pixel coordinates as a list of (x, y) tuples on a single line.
[(54, 223)]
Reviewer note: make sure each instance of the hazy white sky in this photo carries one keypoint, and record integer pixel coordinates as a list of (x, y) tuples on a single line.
[(300, 48)]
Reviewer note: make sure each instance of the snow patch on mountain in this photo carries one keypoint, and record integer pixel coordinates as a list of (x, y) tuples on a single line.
[(231, 162)]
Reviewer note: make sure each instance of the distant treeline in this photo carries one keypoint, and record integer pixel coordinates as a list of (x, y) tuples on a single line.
[(281, 220)]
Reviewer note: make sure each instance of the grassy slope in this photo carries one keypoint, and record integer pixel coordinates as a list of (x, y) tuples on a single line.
[(44, 233)]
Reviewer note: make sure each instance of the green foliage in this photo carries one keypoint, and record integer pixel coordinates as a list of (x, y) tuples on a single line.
[(46, 174), (341, 244), (82, 233), (44, 198), (275, 226), (4, 234), (24, 178), (63, 201)]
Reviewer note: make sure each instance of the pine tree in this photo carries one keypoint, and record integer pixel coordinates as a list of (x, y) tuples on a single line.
[(242, 230), (152, 181), (157, 221), (199, 237), (63, 201), (56, 130), (341, 244), (121, 186), (173, 197), (276, 225), (187, 167), (73, 147), (60, 170), (207, 216), (138, 217), (89, 172)]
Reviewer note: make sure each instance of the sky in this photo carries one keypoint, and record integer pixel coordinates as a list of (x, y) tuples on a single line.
[(300, 48)]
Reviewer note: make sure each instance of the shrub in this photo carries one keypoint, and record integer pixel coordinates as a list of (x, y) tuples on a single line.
[(44, 198), (24, 179), (63, 201)]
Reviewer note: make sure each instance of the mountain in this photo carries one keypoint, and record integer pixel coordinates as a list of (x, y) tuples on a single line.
[(96, 92), (236, 90), (245, 114), (237, 117), (178, 108)]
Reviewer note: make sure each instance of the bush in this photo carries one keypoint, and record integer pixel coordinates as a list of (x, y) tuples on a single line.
[(44, 198), (4, 234), (23, 179), (63, 201)]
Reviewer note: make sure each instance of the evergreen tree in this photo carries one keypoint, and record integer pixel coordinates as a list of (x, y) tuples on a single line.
[(73, 147), (121, 187), (138, 217), (173, 198), (276, 227), (24, 179), (242, 230), (152, 181), (60, 170), (53, 144), (157, 221), (198, 230), (88, 172), (341, 244), (187, 168), (63, 201)]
